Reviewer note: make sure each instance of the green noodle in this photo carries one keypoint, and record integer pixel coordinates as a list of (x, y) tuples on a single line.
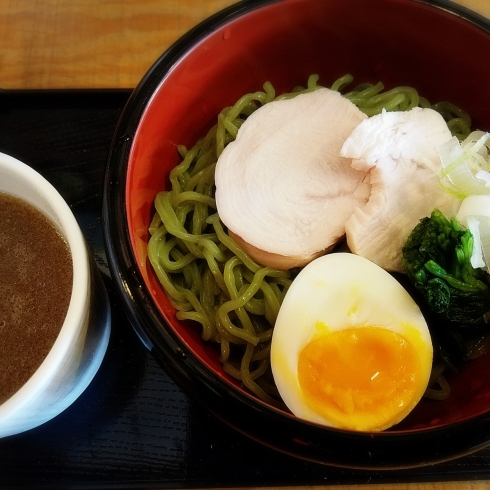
[(207, 277)]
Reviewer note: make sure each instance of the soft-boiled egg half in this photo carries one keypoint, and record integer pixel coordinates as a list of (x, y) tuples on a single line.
[(350, 348)]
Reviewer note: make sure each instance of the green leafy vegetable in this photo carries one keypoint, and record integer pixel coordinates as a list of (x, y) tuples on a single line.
[(436, 258)]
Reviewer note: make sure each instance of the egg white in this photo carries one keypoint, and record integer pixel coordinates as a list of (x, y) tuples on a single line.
[(336, 292)]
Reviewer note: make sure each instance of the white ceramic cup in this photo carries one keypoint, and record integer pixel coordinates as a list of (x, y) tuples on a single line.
[(78, 350)]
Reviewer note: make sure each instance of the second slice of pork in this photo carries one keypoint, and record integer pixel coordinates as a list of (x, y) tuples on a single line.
[(399, 149)]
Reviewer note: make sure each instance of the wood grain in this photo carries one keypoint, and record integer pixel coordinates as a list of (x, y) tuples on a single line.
[(90, 43), (58, 44), (481, 7)]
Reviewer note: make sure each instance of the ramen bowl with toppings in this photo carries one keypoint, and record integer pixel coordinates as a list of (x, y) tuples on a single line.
[(168, 208)]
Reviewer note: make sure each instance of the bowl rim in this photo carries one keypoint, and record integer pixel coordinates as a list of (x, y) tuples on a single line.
[(439, 444)]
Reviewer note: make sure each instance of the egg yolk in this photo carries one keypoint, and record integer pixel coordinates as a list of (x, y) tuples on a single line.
[(360, 378)]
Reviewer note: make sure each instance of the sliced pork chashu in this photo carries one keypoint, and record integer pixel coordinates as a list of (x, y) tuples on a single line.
[(282, 188), (399, 149)]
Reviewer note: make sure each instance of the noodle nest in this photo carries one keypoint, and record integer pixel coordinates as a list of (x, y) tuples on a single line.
[(207, 277)]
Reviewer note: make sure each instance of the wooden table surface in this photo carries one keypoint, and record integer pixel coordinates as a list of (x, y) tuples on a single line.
[(53, 44), (93, 44)]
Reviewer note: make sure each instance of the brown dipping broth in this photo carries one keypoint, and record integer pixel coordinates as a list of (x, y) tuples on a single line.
[(36, 276)]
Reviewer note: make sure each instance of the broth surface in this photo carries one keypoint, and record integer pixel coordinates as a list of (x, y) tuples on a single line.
[(36, 277)]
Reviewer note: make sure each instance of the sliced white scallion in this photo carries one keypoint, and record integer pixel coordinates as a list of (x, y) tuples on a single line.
[(474, 213), (484, 228), (484, 176), (466, 165)]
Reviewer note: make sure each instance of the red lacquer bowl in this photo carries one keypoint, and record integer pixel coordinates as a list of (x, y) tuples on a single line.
[(442, 50)]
